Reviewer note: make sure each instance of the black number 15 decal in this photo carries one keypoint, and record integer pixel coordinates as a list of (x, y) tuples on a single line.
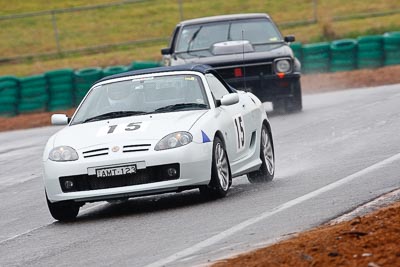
[(130, 127), (239, 125)]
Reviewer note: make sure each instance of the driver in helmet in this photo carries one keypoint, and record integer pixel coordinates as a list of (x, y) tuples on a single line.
[(119, 98)]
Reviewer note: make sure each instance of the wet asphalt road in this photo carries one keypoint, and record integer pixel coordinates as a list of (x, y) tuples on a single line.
[(341, 151)]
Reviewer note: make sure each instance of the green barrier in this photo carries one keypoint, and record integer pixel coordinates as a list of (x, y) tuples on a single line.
[(370, 43), (370, 54), (88, 74), (5, 100), (33, 81), (345, 45), (315, 49), (8, 82), (30, 107), (60, 94), (392, 54), (114, 70), (59, 72), (40, 99), (60, 102), (316, 57), (61, 88), (390, 47), (368, 64), (343, 55), (53, 107), (9, 91), (8, 114), (391, 41), (84, 79), (61, 76), (61, 80), (32, 92), (370, 51), (6, 108), (391, 61), (391, 38), (297, 50), (138, 65), (316, 67)]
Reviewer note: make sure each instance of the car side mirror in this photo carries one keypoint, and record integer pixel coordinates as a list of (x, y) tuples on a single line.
[(59, 119), (166, 51), (290, 39), (229, 99)]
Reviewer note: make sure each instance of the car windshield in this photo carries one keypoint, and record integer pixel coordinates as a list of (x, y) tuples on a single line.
[(203, 36), (139, 96)]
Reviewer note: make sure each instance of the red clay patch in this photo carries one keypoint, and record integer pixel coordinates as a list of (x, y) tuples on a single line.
[(369, 241)]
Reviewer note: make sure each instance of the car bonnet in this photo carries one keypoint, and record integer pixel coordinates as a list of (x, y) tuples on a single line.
[(127, 130)]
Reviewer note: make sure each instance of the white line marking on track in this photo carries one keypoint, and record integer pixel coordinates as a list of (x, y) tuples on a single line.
[(39, 227), (24, 233), (231, 231)]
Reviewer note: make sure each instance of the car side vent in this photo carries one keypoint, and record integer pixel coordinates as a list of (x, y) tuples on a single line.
[(95, 152), (136, 148), (253, 139)]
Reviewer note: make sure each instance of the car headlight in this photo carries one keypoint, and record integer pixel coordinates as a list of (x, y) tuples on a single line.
[(283, 65), (63, 153), (174, 140)]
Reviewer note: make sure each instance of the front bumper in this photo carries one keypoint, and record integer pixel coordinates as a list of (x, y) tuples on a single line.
[(267, 87), (194, 165)]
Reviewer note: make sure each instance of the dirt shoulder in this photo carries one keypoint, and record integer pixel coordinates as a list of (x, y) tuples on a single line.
[(313, 83), (370, 241)]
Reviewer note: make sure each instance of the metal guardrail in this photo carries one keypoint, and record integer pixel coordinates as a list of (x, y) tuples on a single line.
[(180, 3)]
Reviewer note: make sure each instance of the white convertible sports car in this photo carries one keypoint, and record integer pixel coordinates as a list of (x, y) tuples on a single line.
[(153, 131)]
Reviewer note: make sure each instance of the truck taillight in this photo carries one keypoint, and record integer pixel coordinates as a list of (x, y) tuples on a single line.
[(238, 72)]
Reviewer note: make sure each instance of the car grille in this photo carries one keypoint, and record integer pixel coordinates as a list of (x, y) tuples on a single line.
[(136, 148), (87, 182), (126, 149), (95, 152), (248, 70)]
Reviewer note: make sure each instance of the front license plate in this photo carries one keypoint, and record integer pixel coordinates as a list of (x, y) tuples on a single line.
[(115, 171)]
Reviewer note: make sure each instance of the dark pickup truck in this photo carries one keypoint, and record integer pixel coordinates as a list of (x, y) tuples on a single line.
[(247, 50)]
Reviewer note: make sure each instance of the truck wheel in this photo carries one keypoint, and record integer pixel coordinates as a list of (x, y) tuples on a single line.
[(295, 103)]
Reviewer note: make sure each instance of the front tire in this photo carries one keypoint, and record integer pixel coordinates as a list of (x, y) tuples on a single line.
[(221, 178), (291, 104), (64, 211), (267, 156), (295, 103)]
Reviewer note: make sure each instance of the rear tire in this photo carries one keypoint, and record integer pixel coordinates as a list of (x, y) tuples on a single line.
[(221, 178), (64, 211), (267, 156)]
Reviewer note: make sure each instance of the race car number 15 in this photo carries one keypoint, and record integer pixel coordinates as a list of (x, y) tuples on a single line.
[(120, 128), (239, 126)]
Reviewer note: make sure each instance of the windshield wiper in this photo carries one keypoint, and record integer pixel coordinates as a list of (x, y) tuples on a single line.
[(114, 114), (193, 38), (180, 106)]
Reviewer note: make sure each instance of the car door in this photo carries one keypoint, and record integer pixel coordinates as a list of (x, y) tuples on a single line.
[(232, 120)]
